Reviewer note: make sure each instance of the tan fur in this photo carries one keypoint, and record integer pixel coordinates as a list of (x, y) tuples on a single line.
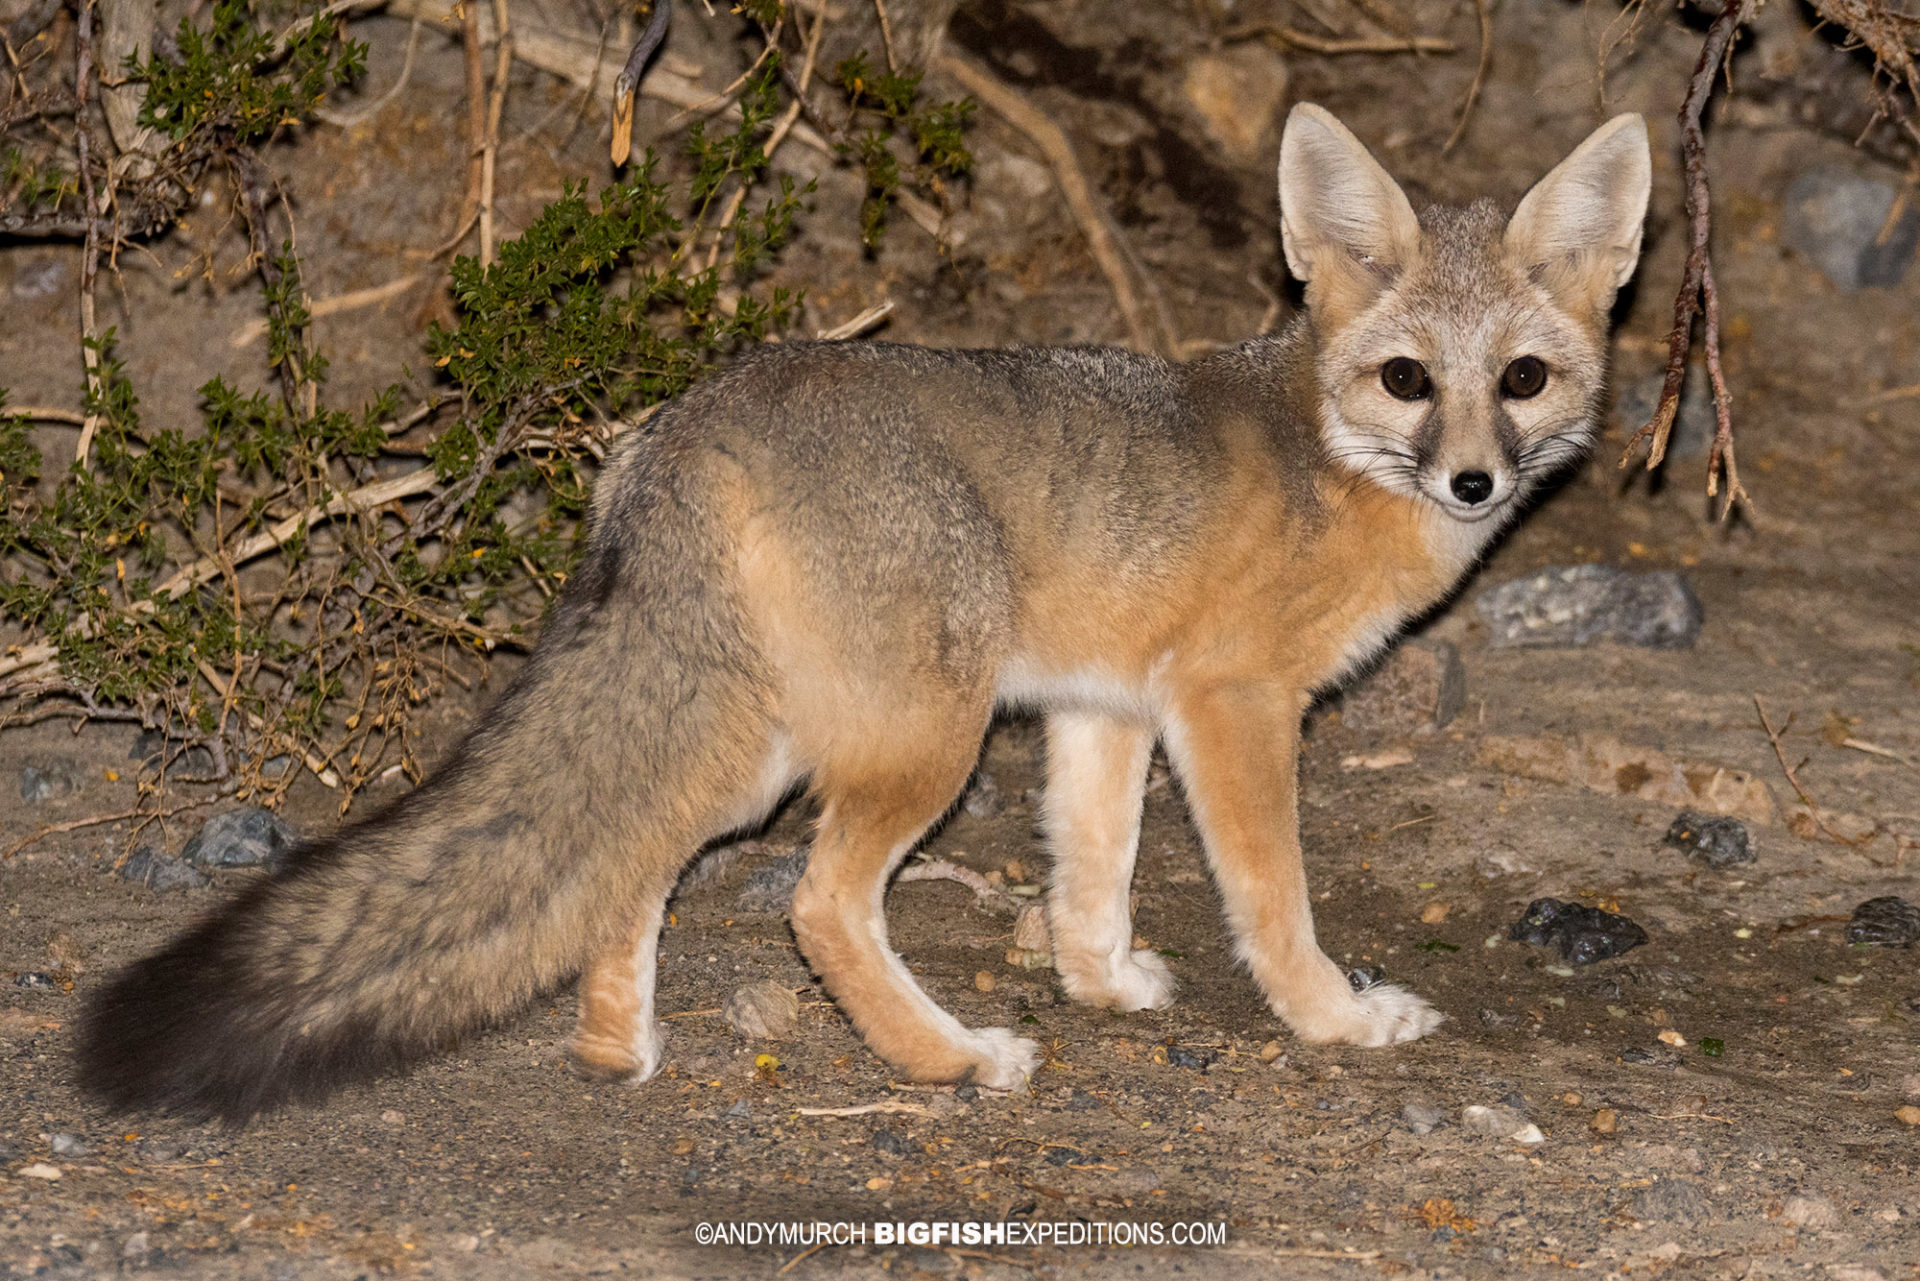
[(829, 565)]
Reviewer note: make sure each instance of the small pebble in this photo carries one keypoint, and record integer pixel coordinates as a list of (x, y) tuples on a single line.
[(764, 1011), (1605, 1121), (741, 1109), (1889, 921), (69, 1145), (1910, 1085), (1670, 1200), (1673, 1038), (1498, 1121), (393, 1117), (1717, 842), (1815, 1213), (35, 980), (984, 799), (1434, 913), (1908, 1115), (888, 1142), (244, 837), (161, 872), (770, 887), (1271, 1051), (984, 980), (135, 1246), (1422, 1119), (40, 1170)]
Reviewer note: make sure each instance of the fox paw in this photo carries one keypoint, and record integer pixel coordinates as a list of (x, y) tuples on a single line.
[(1137, 981), (597, 1057), (1002, 1061), (1384, 1014)]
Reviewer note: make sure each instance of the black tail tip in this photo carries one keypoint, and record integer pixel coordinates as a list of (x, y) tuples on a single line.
[(196, 1030)]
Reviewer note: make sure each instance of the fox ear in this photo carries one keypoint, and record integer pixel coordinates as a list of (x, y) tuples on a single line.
[(1340, 214), (1579, 228)]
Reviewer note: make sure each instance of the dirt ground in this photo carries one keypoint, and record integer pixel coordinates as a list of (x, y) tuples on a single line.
[(1781, 1156)]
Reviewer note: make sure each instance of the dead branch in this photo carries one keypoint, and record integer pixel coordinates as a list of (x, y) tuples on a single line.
[(1103, 238), (1332, 46), (496, 106), (860, 324), (90, 259), (254, 330), (1697, 296), (940, 869), (628, 80), (1792, 773), (1484, 9)]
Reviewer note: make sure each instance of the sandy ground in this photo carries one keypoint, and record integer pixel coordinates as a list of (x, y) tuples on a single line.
[(1781, 1156)]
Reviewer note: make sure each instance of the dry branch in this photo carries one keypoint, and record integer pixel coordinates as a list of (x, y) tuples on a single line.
[(1103, 238), (1697, 296)]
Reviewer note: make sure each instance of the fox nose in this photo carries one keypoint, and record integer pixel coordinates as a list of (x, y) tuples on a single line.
[(1472, 487)]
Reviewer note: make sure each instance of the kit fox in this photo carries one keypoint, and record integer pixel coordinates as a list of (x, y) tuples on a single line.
[(831, 563)]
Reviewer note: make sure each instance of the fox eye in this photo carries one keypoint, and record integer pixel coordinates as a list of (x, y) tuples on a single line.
[(1524, 377), (1406, 379)]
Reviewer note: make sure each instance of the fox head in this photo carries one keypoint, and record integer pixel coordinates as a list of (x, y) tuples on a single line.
[(1461, 355)]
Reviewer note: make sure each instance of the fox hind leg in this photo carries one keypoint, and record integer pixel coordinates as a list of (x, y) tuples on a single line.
[(618, 1038), (873, 813), (1096, 782)]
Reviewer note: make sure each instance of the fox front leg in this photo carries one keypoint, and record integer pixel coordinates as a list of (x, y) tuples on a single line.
[(1236, 749)]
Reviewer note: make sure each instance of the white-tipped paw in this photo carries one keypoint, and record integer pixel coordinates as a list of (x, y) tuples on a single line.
[(1384, 1014), (1137, 981), (1003, 1061), (601, 1058)]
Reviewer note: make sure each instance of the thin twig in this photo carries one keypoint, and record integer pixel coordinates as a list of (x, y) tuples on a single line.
[(90, 260), (860, 324), (1332, 46), (74, 825), (1780, 753), (1484, 8), (890, 1107), (886, 34), (1102, 236), (1697, 294), (940, 869), (45, 414), (254, 330), (490, 148)]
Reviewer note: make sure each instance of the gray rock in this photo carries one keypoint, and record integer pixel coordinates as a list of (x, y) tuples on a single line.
[(40, 276), (1422, 1119), (1840, 222), (152, 745), (741, 1109), (984, 799), (1693, 426), (1814, 1213), (1888, 921), (1580, 604), (765, 1011), (1498, 1121), (1421, 686), (161, 872), (1718, 842), (1671, 1201), (49, 780), (70, 1145), (888, 1142), (770, 888), (246, 837)]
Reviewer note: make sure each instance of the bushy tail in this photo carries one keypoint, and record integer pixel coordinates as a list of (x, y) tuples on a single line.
[(584, 789)]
